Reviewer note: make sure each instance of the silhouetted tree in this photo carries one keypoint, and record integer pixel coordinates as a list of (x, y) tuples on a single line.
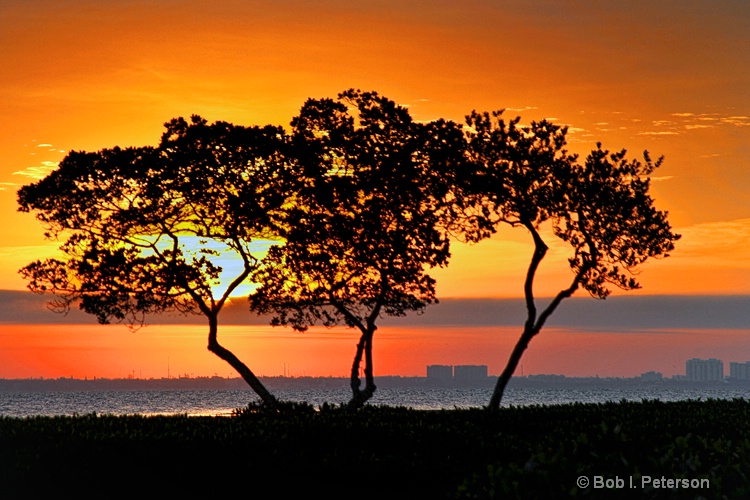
[(366, 223), (524, 177), (147, 227)]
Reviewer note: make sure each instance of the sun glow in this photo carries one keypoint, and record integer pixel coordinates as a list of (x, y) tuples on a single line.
[(83, 77), (223, 255)]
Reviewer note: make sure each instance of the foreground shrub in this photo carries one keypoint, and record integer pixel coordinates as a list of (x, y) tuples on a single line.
[(520, 452)]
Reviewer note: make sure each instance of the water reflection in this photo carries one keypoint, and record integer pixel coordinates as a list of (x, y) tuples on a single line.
[(222, 402)]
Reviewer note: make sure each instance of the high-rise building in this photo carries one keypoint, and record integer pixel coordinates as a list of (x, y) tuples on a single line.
[(704, 370), (740, 371), (467, 373), (440, 372)]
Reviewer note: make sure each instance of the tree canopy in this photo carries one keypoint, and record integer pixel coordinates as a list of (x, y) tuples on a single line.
[(361, 201), (524, 177), (366, 223), (146, 226)]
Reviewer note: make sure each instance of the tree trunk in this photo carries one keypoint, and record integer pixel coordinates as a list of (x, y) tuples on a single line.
[(364, 346), (533, 323), (510, 368), (531, 327), (213, 345)]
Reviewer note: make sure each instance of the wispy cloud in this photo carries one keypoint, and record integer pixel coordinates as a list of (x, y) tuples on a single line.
[(721, 244), (739, 121), (663, 132), (697, 121), (38, 171), (4, 186), (527, 108), (44, 145)]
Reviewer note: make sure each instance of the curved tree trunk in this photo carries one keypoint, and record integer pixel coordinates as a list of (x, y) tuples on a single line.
[(364, 347), (510, 368), (533, 323), (213, 345), (530, 328)]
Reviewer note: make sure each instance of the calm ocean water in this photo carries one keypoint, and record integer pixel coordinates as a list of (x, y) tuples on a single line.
[(222, 402)]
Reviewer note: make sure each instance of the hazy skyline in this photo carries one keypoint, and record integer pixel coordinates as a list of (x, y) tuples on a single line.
[(671, 77)]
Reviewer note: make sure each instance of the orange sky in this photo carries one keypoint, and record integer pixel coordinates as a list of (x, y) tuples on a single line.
[(672, 77), (178, 350)]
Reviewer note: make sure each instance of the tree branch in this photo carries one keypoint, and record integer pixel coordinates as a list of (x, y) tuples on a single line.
[(540, 250)]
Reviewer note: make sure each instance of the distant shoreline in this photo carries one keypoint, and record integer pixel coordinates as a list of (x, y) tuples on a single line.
[(64, 384)]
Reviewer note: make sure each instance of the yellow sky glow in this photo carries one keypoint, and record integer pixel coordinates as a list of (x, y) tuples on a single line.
[(664, 76), (668, 76)]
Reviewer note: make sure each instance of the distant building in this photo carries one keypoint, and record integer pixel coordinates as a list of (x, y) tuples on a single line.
[(440, 372), (651, 376), (704, 370), (470, 373), (740, 371)]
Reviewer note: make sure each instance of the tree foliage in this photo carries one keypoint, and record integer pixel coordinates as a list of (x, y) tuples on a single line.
[(146, 227), (524, 176), (365, 224), (362, 201)]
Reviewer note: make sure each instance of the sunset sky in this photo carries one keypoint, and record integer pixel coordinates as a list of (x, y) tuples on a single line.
[(672, 77)]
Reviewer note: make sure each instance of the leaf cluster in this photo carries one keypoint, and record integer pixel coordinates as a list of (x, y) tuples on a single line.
[(145, 225), (365, 223), (524, 176), (364, 199)]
